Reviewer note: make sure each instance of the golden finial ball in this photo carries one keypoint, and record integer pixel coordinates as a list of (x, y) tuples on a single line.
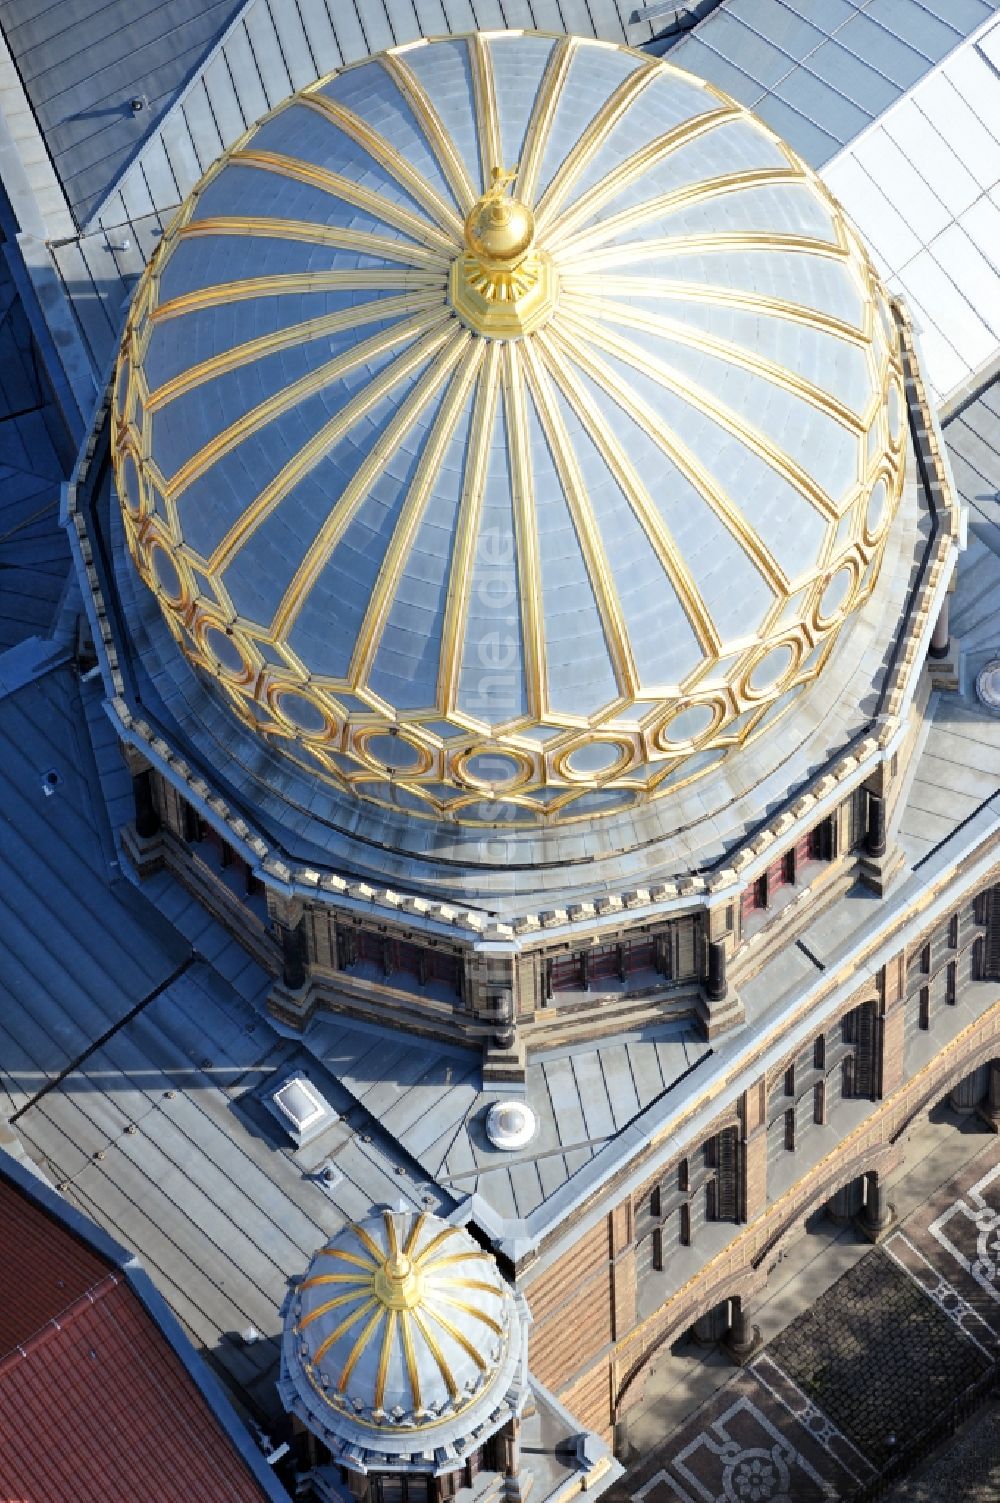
[(499, 232)]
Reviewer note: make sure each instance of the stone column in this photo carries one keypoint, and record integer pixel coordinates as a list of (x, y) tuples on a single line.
[(969, 1092), (147, 818), (744, 1339), (989, 1107), (293, 955), (940, 637), (878, 1213), (712, 1326), (847, 1202), (717, 986), (875, 838)]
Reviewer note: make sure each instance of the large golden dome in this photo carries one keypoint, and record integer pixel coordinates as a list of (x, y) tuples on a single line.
[(508, 425)]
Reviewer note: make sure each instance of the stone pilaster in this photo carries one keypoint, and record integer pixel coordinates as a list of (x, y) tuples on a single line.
[(753, 1120), (941, 635), (989, 1107), (720, 1008), (891, 1014), (875, 835), (623, 1272)]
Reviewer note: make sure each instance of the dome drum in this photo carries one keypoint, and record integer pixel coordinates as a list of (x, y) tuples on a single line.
[(522, 427)]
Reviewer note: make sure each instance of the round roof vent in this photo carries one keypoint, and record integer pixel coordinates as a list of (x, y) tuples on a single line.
[(510, 1124), (988, 686)]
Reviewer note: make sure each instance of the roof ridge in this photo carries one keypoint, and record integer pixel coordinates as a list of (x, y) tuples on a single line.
[(56, 1323)]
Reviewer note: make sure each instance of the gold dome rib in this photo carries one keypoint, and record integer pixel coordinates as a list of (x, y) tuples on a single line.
[(434, 1347), (463, 546), (442, 1236), (388, 1336), (347, 504), (362, 1341), (392, 1241), (362, 241), (342, 1329), (474, 1311), (453, 1283), (587, 145), (437, 137), (529, 584), (349, 192), (686, 197), (353, 317), (587, 308), (362, 1280), (484, 96), (698, 396), (369, 1242), (410, 1360), (348, 1257), (593, 285), (599, 573), (289, 396), (679, 454), (414, 1234), (449, 1258), (697, 245), (435, 333), (398, 552), (626, 172), (542, 113), (386, 155), (457, 1336), (398, 279), (644, 508), (334, 1304)]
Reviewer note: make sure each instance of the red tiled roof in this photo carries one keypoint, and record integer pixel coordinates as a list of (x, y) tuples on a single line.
[(43, 1267), (95, 1405)]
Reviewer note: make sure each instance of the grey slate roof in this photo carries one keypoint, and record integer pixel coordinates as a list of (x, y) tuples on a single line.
[(34, 557), (819, 71), (130, 1049), (132, 1052), (82, 62)]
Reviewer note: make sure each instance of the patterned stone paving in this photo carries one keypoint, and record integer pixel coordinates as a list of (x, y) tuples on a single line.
[(881, 1353), (856, 1352)]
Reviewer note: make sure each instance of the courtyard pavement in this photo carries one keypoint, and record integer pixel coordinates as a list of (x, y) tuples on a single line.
[(866, 1368)]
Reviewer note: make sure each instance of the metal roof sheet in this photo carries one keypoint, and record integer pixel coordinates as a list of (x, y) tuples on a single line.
[(923, 186), (819, 71), (81, 64)]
